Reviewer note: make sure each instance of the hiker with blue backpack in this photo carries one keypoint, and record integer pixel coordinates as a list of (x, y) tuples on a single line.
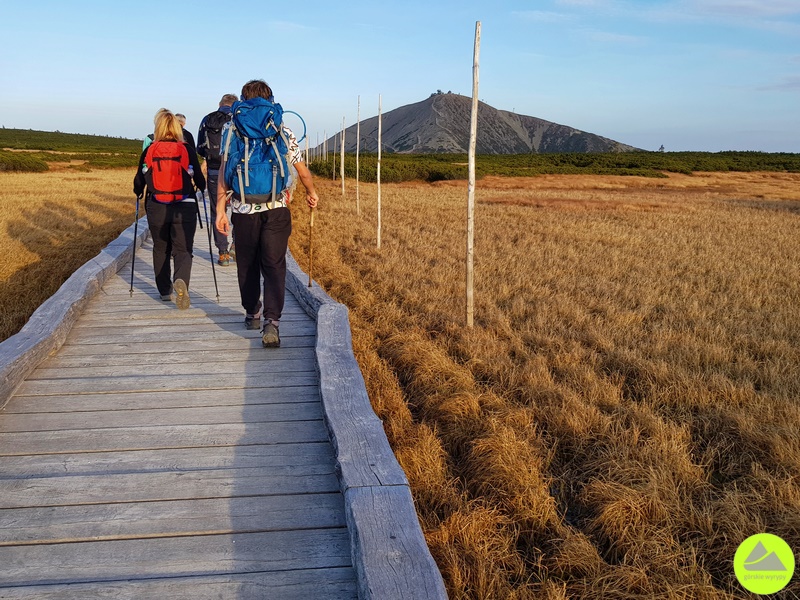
[(258, 154), (169, 171)]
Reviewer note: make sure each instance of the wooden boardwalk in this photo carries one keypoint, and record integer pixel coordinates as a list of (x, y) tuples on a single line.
[(166, 453), (148, 452)]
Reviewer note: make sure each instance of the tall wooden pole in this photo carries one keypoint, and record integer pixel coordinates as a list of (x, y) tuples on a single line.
[(358, 149), (333, 153), (473, 134), (378, 174), (341, 162)]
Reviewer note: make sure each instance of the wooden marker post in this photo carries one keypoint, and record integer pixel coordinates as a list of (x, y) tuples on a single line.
[(378, 174), (473, 134), (333, 152), (341, 161), (358, 148)]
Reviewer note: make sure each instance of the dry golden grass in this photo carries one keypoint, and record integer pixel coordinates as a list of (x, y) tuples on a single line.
[(50, 224), (624, 412)]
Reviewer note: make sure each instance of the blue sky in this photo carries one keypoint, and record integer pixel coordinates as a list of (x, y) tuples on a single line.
[(707, 75)]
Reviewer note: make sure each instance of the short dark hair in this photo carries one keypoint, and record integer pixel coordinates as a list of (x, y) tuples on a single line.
[(256, 88)]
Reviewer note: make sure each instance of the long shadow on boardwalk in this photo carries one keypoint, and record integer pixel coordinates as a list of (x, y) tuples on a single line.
[(164, 453), (159, 454)]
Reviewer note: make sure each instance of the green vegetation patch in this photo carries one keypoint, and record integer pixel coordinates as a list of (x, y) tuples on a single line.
[(56, 141), (21, 162), (437, 167)]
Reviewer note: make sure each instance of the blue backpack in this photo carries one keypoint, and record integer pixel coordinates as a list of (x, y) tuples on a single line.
[(255, 152)]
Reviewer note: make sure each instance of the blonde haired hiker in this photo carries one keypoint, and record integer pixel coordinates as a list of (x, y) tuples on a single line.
[(169, 171)]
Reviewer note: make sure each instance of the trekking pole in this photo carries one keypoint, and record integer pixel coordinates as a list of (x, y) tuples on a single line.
[(310, 246), (210, 252), (135, 234)]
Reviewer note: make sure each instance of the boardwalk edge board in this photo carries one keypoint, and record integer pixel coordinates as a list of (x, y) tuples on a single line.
[(49, 325), (389, 552)]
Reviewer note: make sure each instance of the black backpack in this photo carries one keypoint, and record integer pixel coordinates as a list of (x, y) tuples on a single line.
[(212, 128)]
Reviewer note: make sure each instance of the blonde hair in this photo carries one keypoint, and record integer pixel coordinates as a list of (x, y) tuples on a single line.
[(160, 112), (168, 128)]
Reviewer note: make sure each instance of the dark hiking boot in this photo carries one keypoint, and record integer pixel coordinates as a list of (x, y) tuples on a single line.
[(224, 259), (166, 297), (270, 337), (253, 321), (182, 300)]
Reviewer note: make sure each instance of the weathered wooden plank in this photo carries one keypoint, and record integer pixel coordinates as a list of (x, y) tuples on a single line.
[(301, 584), (174, 557), (104, 305), (165, 399), (178, 318), (123, 419), (228, 355), (240, 370), (251, 456), (160, 383), (173, 331), (205, 516), (150, 487), (180, 339), (155, 437), (391, 560), (199, 343), (356, 432)]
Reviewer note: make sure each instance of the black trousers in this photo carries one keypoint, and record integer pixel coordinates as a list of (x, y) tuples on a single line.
[(172, 228), (261, 242)]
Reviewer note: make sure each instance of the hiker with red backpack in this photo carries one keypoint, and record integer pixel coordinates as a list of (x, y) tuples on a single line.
[(258, 152), (168, 172), (209, 142)]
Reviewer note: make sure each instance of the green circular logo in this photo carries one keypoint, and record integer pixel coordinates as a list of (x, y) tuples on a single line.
[(764, 564)]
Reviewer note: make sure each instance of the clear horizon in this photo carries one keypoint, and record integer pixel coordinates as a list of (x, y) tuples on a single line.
[(702, 75)]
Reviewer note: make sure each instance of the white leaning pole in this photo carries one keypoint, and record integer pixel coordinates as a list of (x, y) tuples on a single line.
[(333, 153), (378, 173), (341, 161), (358, 148), (473, 134)]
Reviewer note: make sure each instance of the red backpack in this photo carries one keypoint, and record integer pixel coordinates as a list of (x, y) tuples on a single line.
[(167, 173)]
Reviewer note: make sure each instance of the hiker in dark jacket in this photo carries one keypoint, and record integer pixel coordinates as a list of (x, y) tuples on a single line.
[(208, 146), (170, 204)]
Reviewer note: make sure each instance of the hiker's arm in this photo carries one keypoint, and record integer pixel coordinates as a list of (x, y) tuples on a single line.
[(199, 179), (201, 139), (222, 224), (139, 181), (308, 182)]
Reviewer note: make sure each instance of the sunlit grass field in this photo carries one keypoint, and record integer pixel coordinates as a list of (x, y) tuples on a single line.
[(624, 412), (50, 224)]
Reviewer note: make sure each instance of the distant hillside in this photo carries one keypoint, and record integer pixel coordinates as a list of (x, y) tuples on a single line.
[(56, 141), (440, 124)]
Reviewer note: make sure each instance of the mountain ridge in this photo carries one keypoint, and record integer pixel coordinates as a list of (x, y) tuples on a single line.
[(440, 124)]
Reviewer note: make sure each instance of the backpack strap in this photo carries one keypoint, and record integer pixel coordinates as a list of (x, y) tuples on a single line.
[(231, 130), (246, 161)]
